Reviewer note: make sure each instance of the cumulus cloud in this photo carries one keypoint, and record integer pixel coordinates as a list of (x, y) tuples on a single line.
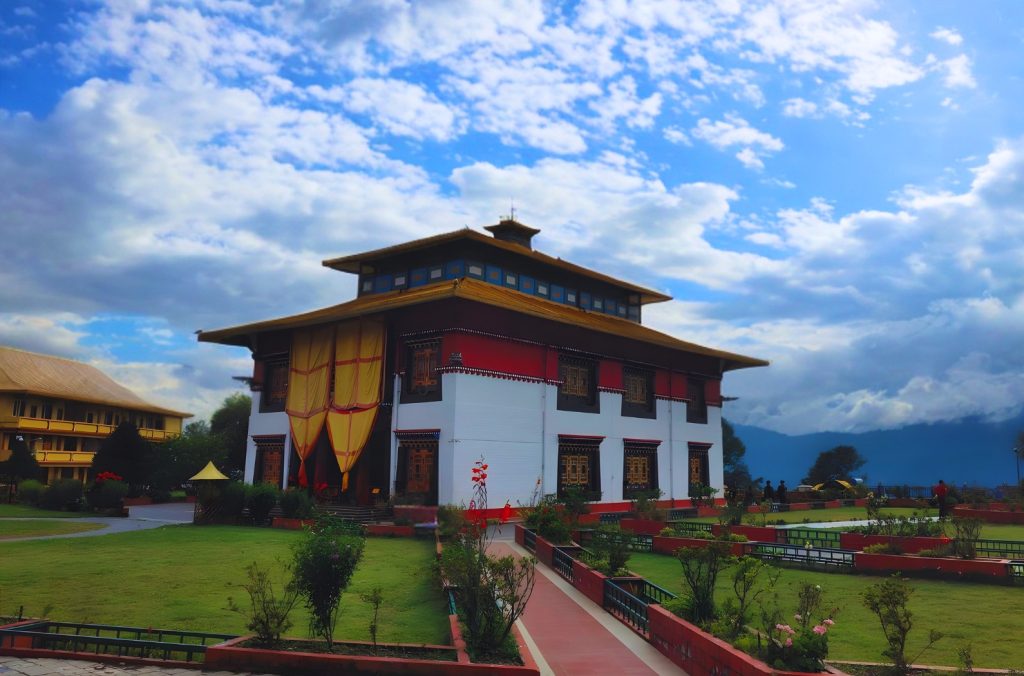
[(958, 72), (948, 35), (735, 131)]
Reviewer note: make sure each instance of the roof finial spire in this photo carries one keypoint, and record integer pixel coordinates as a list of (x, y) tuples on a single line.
[(512, 208)]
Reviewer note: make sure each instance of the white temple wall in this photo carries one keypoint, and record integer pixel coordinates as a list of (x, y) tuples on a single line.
[(266, 424)]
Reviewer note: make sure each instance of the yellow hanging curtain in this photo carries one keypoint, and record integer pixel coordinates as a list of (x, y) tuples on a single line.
[(308, 388), (358, 369)]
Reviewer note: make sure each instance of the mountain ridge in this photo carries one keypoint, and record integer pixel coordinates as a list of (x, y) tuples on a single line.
[(969, 451)]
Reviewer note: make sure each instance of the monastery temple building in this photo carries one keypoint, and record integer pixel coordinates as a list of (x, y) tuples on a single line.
[(464, 346), (63, 409)]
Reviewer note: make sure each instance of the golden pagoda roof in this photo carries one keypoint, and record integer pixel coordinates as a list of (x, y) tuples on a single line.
[(49, 376), (352, 262), (480, 292), (209, 473)]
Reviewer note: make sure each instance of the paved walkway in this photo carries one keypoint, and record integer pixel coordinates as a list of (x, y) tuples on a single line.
[(572, 635), (839, 524), (20, 666), (141, 517)]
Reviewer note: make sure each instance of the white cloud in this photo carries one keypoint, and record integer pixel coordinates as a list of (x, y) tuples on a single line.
[(948, 35), (958, 72), (798, 107), (676, 135), (735, 131), (400, 107)]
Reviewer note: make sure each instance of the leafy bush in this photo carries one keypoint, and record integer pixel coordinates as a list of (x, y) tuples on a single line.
[(260, 499), (324, 562), (888, 601), (451, 520), (30, 492), (574, 504), (965, 540), (491, 592), (645, 505), (734, 537), (884, 548), (915, 525), (268, 612), (610, 550), (232, 499), (157, 494), (805, 647), (546, 521), (63, 494), (701, 566), (937, 552), (107, 494), (296, 503)]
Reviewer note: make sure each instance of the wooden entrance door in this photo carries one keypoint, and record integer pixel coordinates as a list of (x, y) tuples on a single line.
[(422, 465)]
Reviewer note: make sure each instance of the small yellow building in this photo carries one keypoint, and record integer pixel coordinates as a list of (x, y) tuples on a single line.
[(63, 409)]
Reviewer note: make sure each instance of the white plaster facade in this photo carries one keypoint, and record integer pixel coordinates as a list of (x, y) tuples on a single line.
[(515, 427)]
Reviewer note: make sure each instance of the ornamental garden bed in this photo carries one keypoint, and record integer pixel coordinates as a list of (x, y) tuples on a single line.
[(991, 515)]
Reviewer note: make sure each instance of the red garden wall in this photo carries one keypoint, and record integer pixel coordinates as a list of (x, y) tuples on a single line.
[(995, 568), (910, 545), (990, 515)]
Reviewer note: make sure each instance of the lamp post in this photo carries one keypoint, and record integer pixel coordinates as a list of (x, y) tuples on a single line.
[(1016, 453)]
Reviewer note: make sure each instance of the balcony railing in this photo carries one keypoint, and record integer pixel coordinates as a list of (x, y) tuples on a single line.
[(83, 458), (630, 609), (81, 428), (808, 556)]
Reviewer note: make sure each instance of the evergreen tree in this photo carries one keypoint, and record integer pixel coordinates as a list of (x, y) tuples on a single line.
[(175, 461), (836, 463), (21, 464), (126, 454), (737, 474), (231, 423)]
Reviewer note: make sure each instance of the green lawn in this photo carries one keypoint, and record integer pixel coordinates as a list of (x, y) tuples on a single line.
[(181, 576), (817, 515), (24, 511), (32, 527), (987, 616), (998, 531)]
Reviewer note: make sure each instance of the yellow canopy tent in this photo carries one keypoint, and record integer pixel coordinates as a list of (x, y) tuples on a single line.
[(209, 473), (834, 483)]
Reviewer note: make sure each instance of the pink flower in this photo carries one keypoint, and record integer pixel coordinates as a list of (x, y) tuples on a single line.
[(798, 617), (828, 622), (789, 642), (819, 629)]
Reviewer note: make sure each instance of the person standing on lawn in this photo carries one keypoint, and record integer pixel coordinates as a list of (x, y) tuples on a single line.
[(780, 492), (769, 492), (940, 490)]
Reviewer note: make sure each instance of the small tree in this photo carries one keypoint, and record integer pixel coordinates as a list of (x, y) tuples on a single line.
[(491, 592), (836, 463), (888, 600), (126, 454), (268, 613), (746, 576), (965, 540), (701, 566), (611, 549), (374, 598), (324, 562), (574, 505)]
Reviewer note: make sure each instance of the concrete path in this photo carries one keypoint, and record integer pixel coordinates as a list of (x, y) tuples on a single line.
[(141, 517), (37, 666), (572, 635), (838, 524)]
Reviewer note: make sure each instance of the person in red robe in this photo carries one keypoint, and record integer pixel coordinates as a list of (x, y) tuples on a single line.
[(940, 490)]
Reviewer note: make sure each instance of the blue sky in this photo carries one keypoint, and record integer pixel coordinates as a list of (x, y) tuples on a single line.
[(834, 187)]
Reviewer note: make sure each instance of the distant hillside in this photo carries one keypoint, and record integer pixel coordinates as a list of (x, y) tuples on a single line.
[(969, 451)]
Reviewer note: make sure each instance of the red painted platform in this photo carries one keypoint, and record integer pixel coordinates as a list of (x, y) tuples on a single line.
[(569, 638)]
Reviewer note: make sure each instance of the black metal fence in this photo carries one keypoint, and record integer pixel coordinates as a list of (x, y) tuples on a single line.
[(636, 542), (1000, 549), (816, 537), (104, 639), (1016, 568), (612, 517), (803, 555), (562, 558), (530, 540), (690, 528), (629, 608)]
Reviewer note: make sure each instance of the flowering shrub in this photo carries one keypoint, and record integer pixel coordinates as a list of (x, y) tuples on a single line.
[(491, 592), (107, 476), (324, 562), (804, 647)]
